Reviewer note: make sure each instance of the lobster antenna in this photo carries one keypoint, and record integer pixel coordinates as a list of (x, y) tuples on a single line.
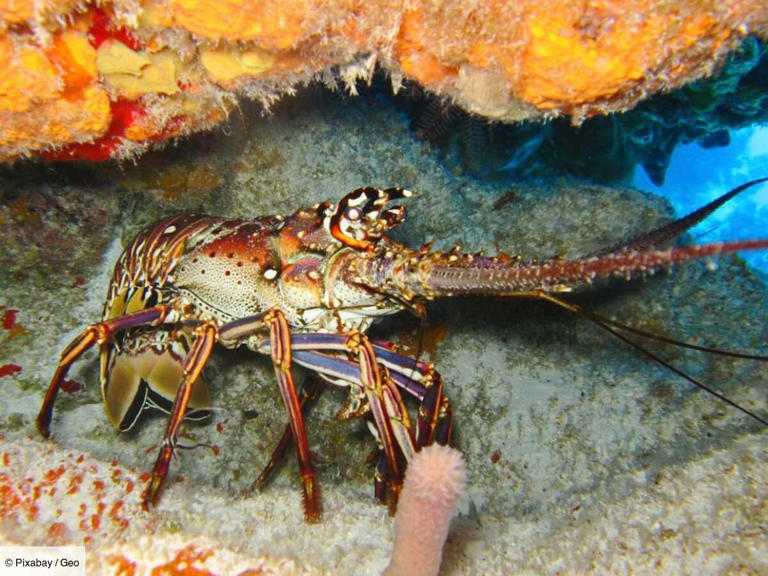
[(675, 228), (615, 328), (681, 343), (689, 378)]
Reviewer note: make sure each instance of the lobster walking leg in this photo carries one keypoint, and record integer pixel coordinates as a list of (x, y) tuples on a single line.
[(326, 354), (206, 335), (389, 415), (278, 346), (393, 373), (306, 352), (280, 340), (308, 392), (435, 418), (419, 379), (96, 334)]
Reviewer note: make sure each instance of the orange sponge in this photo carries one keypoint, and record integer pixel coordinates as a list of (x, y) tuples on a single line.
[(181, 63)]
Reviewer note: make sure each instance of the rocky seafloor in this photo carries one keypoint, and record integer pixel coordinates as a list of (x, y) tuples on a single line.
[(583, 455)]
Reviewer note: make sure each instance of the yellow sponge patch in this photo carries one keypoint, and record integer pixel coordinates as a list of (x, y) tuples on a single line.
[(224, 66), (130, 74)]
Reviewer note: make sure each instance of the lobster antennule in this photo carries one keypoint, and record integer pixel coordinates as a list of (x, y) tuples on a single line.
[(442, 274)]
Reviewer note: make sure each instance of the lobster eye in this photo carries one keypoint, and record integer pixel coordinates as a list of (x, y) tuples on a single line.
[(359, 219)]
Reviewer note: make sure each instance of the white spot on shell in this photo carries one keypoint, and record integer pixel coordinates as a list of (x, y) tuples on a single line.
[(170, 230), (270, 273)]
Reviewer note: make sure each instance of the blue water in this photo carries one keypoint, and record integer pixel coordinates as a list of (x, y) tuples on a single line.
[(697, 175)]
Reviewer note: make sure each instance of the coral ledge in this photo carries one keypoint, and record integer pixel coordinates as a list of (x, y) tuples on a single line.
[(87, 80)]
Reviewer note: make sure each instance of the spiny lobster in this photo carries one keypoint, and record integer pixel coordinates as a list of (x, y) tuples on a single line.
[(304, 289)]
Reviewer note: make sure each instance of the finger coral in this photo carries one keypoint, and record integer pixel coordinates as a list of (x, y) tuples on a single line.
[(434, 481)]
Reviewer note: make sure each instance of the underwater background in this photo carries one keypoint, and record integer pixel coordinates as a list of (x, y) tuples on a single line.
[(697, 175), (583, 454)]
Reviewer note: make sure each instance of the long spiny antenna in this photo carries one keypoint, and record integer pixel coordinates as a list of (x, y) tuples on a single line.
[(673, 341), (615, 328), (599, 321), (674, 229)]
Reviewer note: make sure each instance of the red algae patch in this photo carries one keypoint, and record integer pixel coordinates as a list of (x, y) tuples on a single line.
[(52, 496), (9, 319), (9, 369), (66, 496), (174, 557)]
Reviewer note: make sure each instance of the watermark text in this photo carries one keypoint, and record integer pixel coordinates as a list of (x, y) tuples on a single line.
[(42, 560)]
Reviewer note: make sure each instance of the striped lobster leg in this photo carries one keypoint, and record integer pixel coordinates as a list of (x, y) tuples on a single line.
[(280, 350), (380, 373), (96, 334), (206, 336)]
